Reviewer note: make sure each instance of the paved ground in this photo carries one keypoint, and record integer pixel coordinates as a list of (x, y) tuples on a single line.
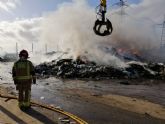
[(94, 101), (64, 93), (11, 114)]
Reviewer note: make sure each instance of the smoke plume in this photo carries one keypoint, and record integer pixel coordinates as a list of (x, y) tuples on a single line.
[(69, 29)]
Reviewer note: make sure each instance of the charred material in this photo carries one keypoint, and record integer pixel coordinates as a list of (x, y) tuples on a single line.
[(69, 68)]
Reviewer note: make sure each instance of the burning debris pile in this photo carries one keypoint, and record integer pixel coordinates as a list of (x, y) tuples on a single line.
[(69, 68)]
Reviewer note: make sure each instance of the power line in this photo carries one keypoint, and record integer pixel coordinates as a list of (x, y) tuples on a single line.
[(122, 5)]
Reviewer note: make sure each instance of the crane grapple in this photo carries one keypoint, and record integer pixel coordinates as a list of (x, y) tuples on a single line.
[(102, 21)]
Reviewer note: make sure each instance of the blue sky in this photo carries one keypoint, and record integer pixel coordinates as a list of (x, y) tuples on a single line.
[(35, 8)]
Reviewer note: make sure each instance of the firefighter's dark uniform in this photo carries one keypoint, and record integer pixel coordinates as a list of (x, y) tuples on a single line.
[(23, 75)]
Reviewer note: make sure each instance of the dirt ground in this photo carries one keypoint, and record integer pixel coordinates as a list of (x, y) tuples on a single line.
[(93, 104)]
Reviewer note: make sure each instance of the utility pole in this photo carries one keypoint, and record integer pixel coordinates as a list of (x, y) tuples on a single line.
[(16, 50), (32, 47), (122, 4), (46, 48)]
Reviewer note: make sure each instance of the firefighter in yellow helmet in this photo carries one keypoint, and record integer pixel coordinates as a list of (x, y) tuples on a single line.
[(23, 75)]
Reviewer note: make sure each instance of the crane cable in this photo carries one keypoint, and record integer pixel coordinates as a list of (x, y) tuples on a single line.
[(74, 117)]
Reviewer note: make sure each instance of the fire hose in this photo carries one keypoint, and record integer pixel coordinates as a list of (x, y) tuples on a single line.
[(73, 117)]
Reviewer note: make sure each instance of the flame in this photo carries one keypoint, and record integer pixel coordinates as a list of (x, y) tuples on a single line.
[(132, 51)]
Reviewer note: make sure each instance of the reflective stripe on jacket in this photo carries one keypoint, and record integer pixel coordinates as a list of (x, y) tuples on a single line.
[(23, 70), (23, 77)]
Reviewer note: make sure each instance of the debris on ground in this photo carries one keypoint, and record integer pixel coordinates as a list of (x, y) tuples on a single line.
[(42, 98), (69, 68), (124, 82)]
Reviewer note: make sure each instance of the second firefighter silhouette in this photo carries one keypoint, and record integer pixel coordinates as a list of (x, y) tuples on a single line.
[(23, 76)]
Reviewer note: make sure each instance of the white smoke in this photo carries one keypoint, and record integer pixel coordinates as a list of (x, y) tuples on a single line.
[(70, 28), (149, 9)]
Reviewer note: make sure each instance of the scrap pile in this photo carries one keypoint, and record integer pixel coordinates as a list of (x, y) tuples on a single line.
[(69, 68)]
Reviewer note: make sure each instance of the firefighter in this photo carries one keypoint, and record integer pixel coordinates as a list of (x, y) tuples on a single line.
[(23, 74)]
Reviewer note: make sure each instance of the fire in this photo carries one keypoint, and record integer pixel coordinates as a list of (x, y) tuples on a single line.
[(130, 51)]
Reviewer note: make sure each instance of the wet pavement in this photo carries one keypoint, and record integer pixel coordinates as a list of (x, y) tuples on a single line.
[(51, 91)]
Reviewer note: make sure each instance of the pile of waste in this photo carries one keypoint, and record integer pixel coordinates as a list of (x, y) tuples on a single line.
[(69, 68), (1, 59), (8, 58)]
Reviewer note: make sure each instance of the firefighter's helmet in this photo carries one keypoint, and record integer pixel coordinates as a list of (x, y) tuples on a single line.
[(24, 53)]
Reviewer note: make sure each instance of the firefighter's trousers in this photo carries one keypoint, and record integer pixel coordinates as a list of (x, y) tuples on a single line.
[(24, 90)]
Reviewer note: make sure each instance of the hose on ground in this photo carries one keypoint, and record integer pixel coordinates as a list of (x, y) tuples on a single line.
[(51, 108)]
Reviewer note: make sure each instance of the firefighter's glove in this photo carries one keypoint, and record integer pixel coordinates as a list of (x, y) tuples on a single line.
[(15, 82), (34, 81)]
